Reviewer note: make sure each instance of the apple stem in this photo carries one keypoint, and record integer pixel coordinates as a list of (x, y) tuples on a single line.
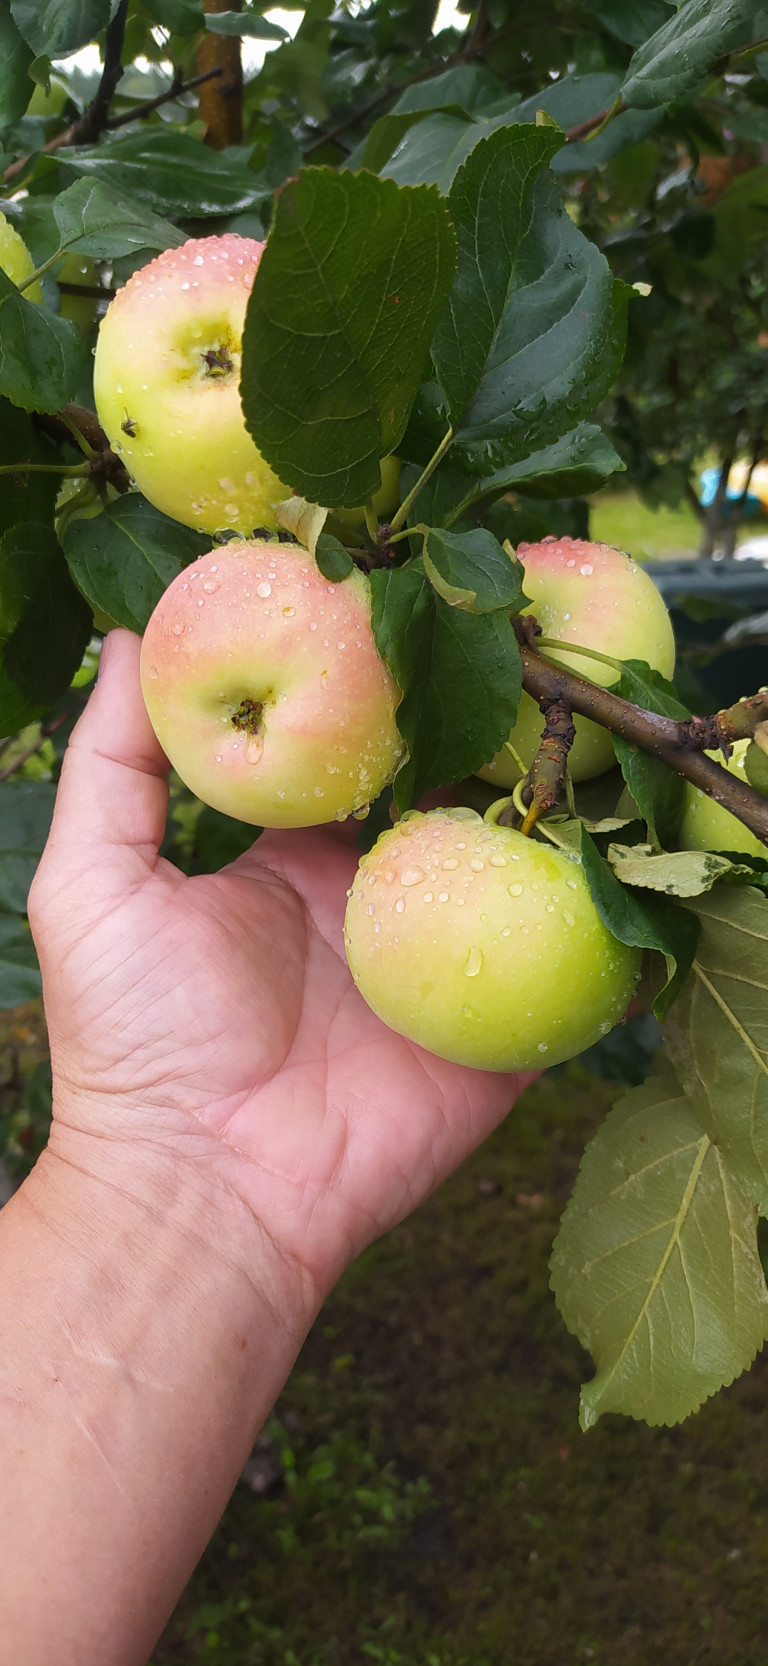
[(400, 517)]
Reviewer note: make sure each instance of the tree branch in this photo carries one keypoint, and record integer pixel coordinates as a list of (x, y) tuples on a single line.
[(677, 744), (104, 462), (91, 124), (175, 90)]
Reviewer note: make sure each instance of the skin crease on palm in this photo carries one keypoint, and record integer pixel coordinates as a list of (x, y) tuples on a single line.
[(215, 1017)]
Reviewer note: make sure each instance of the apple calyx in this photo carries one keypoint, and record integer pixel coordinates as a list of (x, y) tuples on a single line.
[(217, 361), (248, 716)]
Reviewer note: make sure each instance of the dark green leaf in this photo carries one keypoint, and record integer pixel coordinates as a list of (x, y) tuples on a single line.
[(46, 625), (182, 17), (24, 497), (468, 87), (97, 223), (535, 330), (490, 207), (42, 357), (460, 674), (685, 49), (641, 922), (26, 808), (127, 557), (15, 60), (340, 317), (656, 1265), (633, 20), (657, 791), (334, 561), (20, 979), (58, 27), (244, 23), (472, 571), (649, 689), (170, 171)]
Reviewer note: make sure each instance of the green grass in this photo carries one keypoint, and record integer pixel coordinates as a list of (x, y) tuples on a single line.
[(619, 518)]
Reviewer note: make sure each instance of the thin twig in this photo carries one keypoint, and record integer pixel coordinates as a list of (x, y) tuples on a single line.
[(177, 87), (46, 730)]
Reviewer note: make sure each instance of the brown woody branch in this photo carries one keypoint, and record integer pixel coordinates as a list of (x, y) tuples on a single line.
[(221, 98), (545, 779), (178, 85), (677, 744)]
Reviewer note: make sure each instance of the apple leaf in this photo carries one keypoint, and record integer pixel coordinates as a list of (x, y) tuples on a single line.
[(93, 220), (460, 674), (244, 23), (15, 60), (756, 760), (679, 873), (20, 979), (334, 561), (25, 497), (38, 605), (42, 357), (657, 791), (472, 570), (656, 1266), (170, 171), (685, 49), (341, 314), (26, 808), (534, 332), (127, 557), (55, 28), (716, 1035), (643, 922)]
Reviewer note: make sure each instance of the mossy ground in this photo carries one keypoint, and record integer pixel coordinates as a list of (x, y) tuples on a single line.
[(439, 1505)]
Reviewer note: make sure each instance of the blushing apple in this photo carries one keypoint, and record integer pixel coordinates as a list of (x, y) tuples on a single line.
[(265, 688), (597, 597), (16, 260), (482, 945), (166, 384), (707, 826)]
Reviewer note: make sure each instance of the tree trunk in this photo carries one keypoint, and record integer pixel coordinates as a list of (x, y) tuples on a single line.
[(220, 101)]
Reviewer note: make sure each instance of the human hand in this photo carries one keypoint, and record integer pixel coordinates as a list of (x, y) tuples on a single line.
[(213, 1020)]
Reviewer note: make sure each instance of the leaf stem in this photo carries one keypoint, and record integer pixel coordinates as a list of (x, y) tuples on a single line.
[(39, 270), (401, 516), (77, 471), (574, 648)]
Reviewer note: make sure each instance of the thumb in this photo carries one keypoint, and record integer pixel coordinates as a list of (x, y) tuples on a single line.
[(113, 795)]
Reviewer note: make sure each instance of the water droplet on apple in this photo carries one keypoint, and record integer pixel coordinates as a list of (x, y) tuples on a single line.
[(400, 905), (442, 896), (370, 908), (543, 1047), (450, 864), (586, 568), (153, 671), (361, 813), (253, 749), (498, 861), (476, 865), (412, 876), (264, 589), (467, 1012), (177, 630), (568, 917), (474, 961), (515, 890), (210, 586)]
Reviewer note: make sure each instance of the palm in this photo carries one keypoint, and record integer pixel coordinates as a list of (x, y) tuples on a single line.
[(221, 1009)]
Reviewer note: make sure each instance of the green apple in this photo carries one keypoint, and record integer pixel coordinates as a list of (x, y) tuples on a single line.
[(265, 688), (707, 826), (16, 260), (166, 384), (596, 597), (384, 502), (50, 103), (80, 309), (482, 945)]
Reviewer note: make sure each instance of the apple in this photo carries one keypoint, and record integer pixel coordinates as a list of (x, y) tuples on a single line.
[(383, 503), (80, 309), (265, 688), (482, 945), (16, 260), (166, 385), (707, 826), (597, 597)]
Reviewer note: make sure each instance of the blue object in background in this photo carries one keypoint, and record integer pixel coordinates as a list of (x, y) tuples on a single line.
[(709, 480)]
